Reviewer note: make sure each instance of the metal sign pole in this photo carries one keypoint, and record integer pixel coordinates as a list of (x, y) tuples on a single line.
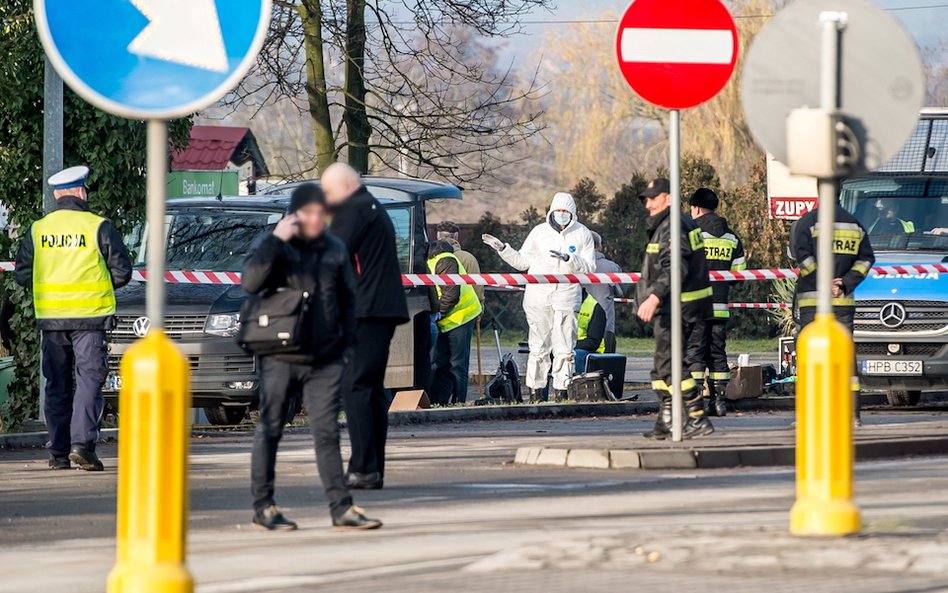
[(832, 25), (674, 157), (156, 175)]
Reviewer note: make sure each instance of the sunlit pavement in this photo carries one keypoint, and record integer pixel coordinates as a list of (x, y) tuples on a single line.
[(460, 517)]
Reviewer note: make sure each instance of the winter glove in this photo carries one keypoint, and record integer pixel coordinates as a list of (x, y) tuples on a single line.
[(493, 242), (557, 254)]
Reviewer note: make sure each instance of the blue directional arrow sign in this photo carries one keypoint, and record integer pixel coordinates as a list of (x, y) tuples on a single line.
[(152, 59)]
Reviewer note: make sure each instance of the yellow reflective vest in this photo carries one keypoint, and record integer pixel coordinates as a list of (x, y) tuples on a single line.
[(585, 316), (71, 279), (468, 307)]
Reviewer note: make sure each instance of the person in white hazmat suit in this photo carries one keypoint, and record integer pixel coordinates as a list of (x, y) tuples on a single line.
[(561, 245)]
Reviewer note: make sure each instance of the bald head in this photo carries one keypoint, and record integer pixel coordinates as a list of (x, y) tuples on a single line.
[(339, 182)]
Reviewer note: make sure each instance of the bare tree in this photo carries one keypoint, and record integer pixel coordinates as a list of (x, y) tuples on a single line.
[(390, 81)]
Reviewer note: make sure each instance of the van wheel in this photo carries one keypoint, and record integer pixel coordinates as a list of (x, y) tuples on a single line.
[(225, 415), (902, 398)]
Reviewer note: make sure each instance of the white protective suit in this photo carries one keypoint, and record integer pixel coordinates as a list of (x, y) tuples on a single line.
[(552, 308)]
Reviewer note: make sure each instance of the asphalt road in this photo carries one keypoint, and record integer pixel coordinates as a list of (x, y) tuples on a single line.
[(460, 517)]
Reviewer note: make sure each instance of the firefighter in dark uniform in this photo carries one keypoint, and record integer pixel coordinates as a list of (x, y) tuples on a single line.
[(853, 258), (653, 293), (724, 251), (73, 260)]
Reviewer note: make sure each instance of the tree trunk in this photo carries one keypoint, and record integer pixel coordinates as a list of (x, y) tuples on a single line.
[(311, 15), (358, 128)]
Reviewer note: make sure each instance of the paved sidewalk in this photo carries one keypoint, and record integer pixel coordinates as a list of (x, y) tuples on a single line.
[(744, 446), (461, 518)]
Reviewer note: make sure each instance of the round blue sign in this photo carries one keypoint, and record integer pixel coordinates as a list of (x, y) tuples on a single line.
[(152, 59)]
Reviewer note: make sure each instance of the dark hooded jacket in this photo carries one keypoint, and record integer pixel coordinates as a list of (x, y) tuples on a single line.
[(723, 251), (656, 268)]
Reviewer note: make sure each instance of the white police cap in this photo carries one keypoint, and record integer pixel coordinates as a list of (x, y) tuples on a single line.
[(69, 178)]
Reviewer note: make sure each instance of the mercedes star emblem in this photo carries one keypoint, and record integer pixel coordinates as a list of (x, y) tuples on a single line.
[(141, 326), (893, 315)]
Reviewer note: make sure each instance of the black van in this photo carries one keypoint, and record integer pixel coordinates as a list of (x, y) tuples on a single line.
[(215, 234)]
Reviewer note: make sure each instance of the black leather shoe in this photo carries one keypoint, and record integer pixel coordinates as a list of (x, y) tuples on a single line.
[(271, 519), (86, 460), (355, 520), (56, 462), (357, 481)]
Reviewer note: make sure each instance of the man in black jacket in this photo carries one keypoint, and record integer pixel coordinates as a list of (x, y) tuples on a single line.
[(300, 254), (380, 306), (653, 296)]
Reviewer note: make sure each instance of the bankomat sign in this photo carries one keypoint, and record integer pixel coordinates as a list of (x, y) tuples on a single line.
[(790, 196)]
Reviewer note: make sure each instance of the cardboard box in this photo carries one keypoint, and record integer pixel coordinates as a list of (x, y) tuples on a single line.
[(746, 382)]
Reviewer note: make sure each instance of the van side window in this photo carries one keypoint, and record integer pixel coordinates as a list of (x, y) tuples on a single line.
[(401, 219)]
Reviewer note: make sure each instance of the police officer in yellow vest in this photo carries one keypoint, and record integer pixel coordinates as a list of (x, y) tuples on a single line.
[(458, 308), (590, 331), (73, 260)]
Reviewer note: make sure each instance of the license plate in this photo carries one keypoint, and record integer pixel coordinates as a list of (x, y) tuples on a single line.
[(892, 367), (113, 382)]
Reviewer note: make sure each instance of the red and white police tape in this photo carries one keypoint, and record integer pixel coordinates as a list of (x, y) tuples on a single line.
[(500, 280)]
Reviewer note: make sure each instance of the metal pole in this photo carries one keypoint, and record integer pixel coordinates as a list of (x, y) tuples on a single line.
[(52, 131), (52, 162), (674, 146), (832, 25), (156, 175)]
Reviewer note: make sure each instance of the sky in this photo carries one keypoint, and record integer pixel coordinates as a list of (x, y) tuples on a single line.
[(924, 20)]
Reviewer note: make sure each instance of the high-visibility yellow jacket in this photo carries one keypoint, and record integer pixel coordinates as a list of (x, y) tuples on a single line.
[(586, 312), (468, 306), (73, 260)]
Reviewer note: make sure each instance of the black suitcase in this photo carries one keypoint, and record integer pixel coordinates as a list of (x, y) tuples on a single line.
[(613, 365)]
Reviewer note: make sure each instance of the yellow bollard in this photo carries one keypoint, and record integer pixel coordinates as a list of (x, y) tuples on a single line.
[(154, 429), (825, 363)]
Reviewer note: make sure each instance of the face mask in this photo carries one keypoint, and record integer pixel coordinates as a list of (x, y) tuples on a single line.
[(562, 218)]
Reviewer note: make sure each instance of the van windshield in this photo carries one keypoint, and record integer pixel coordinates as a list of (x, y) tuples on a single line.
[(207, 239), (900, 213)]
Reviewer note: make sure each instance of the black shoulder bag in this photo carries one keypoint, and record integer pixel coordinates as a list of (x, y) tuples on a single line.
[(272, 322)]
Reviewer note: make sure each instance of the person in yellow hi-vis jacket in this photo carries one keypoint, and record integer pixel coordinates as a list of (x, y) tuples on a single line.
[(458, 308), (73, 260)]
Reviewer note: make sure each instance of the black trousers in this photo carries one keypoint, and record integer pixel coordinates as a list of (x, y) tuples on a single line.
[(693, 355), (76, 358), (715, 355), (321, 388), (365, 400), (845, 315)]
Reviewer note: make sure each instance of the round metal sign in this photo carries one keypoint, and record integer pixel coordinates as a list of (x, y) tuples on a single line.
[(677, 53), (883, 82)]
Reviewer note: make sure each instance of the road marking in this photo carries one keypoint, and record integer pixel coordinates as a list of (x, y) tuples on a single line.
[(677, 46), (275, 583), (181, 31)]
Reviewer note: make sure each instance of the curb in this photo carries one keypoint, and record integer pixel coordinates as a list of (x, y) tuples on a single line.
[(714, 457), (522, 412), (30, 440)]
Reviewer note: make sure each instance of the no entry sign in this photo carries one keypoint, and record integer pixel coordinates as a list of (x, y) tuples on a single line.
[(677, 53)]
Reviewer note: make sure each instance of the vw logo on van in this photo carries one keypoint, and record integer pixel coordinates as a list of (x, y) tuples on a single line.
[(141, 326), (893, 315)]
